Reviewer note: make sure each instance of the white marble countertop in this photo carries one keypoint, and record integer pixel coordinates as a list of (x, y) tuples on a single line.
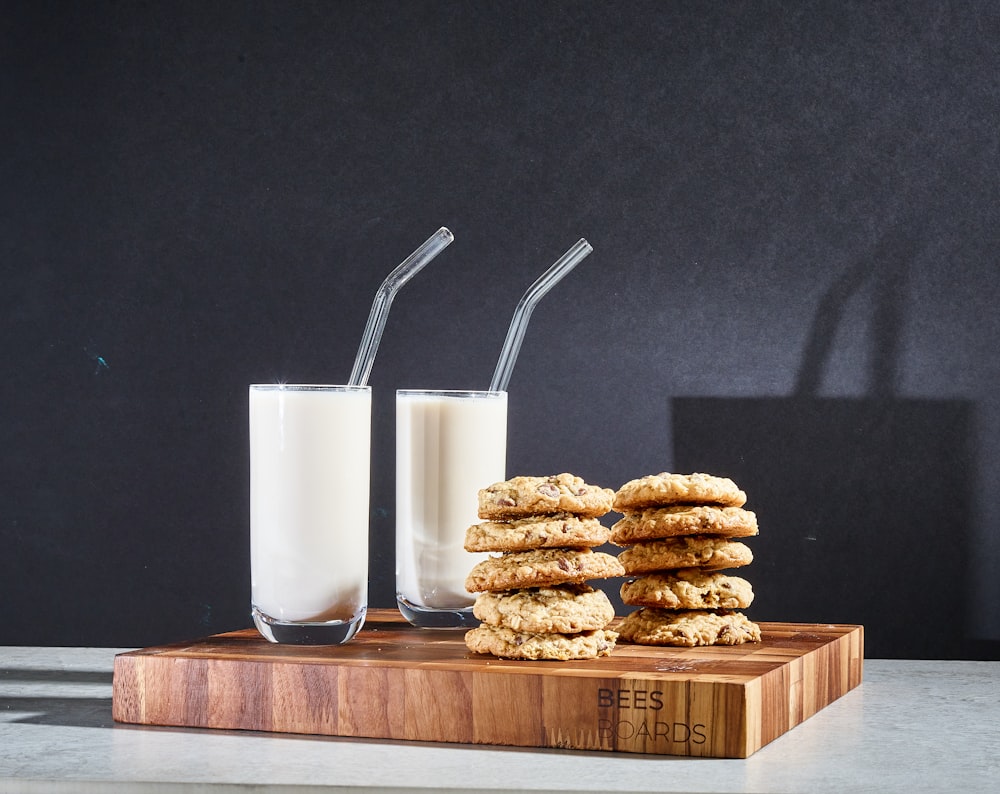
[(911, 726)]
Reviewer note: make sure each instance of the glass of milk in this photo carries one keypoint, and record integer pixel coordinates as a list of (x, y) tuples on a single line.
[(449, 445), (310, 453)]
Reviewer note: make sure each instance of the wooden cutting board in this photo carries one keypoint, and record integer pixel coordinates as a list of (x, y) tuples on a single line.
[(393, 681)]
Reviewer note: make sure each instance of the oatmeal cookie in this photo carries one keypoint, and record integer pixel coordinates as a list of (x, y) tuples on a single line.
[(666, 522), (689, 551), (562, 530), (651, 626), (666, 488), (526, 496), (564, 609), (690, 588), (540, 568), (510, 644)]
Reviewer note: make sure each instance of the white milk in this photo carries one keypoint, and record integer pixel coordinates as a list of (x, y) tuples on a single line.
[(309, 478), (449, 445)]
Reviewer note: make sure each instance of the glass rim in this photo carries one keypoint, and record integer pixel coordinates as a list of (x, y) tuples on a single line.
[(307, 387), (450, 393)]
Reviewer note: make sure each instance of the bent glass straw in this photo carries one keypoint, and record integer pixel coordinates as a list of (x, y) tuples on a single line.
[(409, 267), (518, 324)]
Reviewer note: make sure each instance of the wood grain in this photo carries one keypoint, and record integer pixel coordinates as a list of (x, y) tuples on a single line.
[(393, 681)]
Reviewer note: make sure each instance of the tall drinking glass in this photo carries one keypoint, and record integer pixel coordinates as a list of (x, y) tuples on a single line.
[(310, 453), (449, 445)]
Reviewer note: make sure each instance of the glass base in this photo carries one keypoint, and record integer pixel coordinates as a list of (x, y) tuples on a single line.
[(334, 632), (428, 618)]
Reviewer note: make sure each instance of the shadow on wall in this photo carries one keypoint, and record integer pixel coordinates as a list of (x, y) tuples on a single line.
[(863, 504)]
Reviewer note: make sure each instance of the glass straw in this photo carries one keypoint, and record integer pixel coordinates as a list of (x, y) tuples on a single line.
[(519, 323), (409, 267)]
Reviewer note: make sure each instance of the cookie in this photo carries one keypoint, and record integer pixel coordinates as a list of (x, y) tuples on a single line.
[(651, 626), (666, 522), (690, 588), (689, 551), (562, 530), (665, 488), (526, 496), (564, 609), (510, 644), (540, 568)]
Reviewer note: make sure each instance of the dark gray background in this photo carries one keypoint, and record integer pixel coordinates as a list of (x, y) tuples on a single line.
[(794, 212)]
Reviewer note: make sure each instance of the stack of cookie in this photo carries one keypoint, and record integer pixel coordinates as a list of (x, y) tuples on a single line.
[(534, 601), (678, 531)]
